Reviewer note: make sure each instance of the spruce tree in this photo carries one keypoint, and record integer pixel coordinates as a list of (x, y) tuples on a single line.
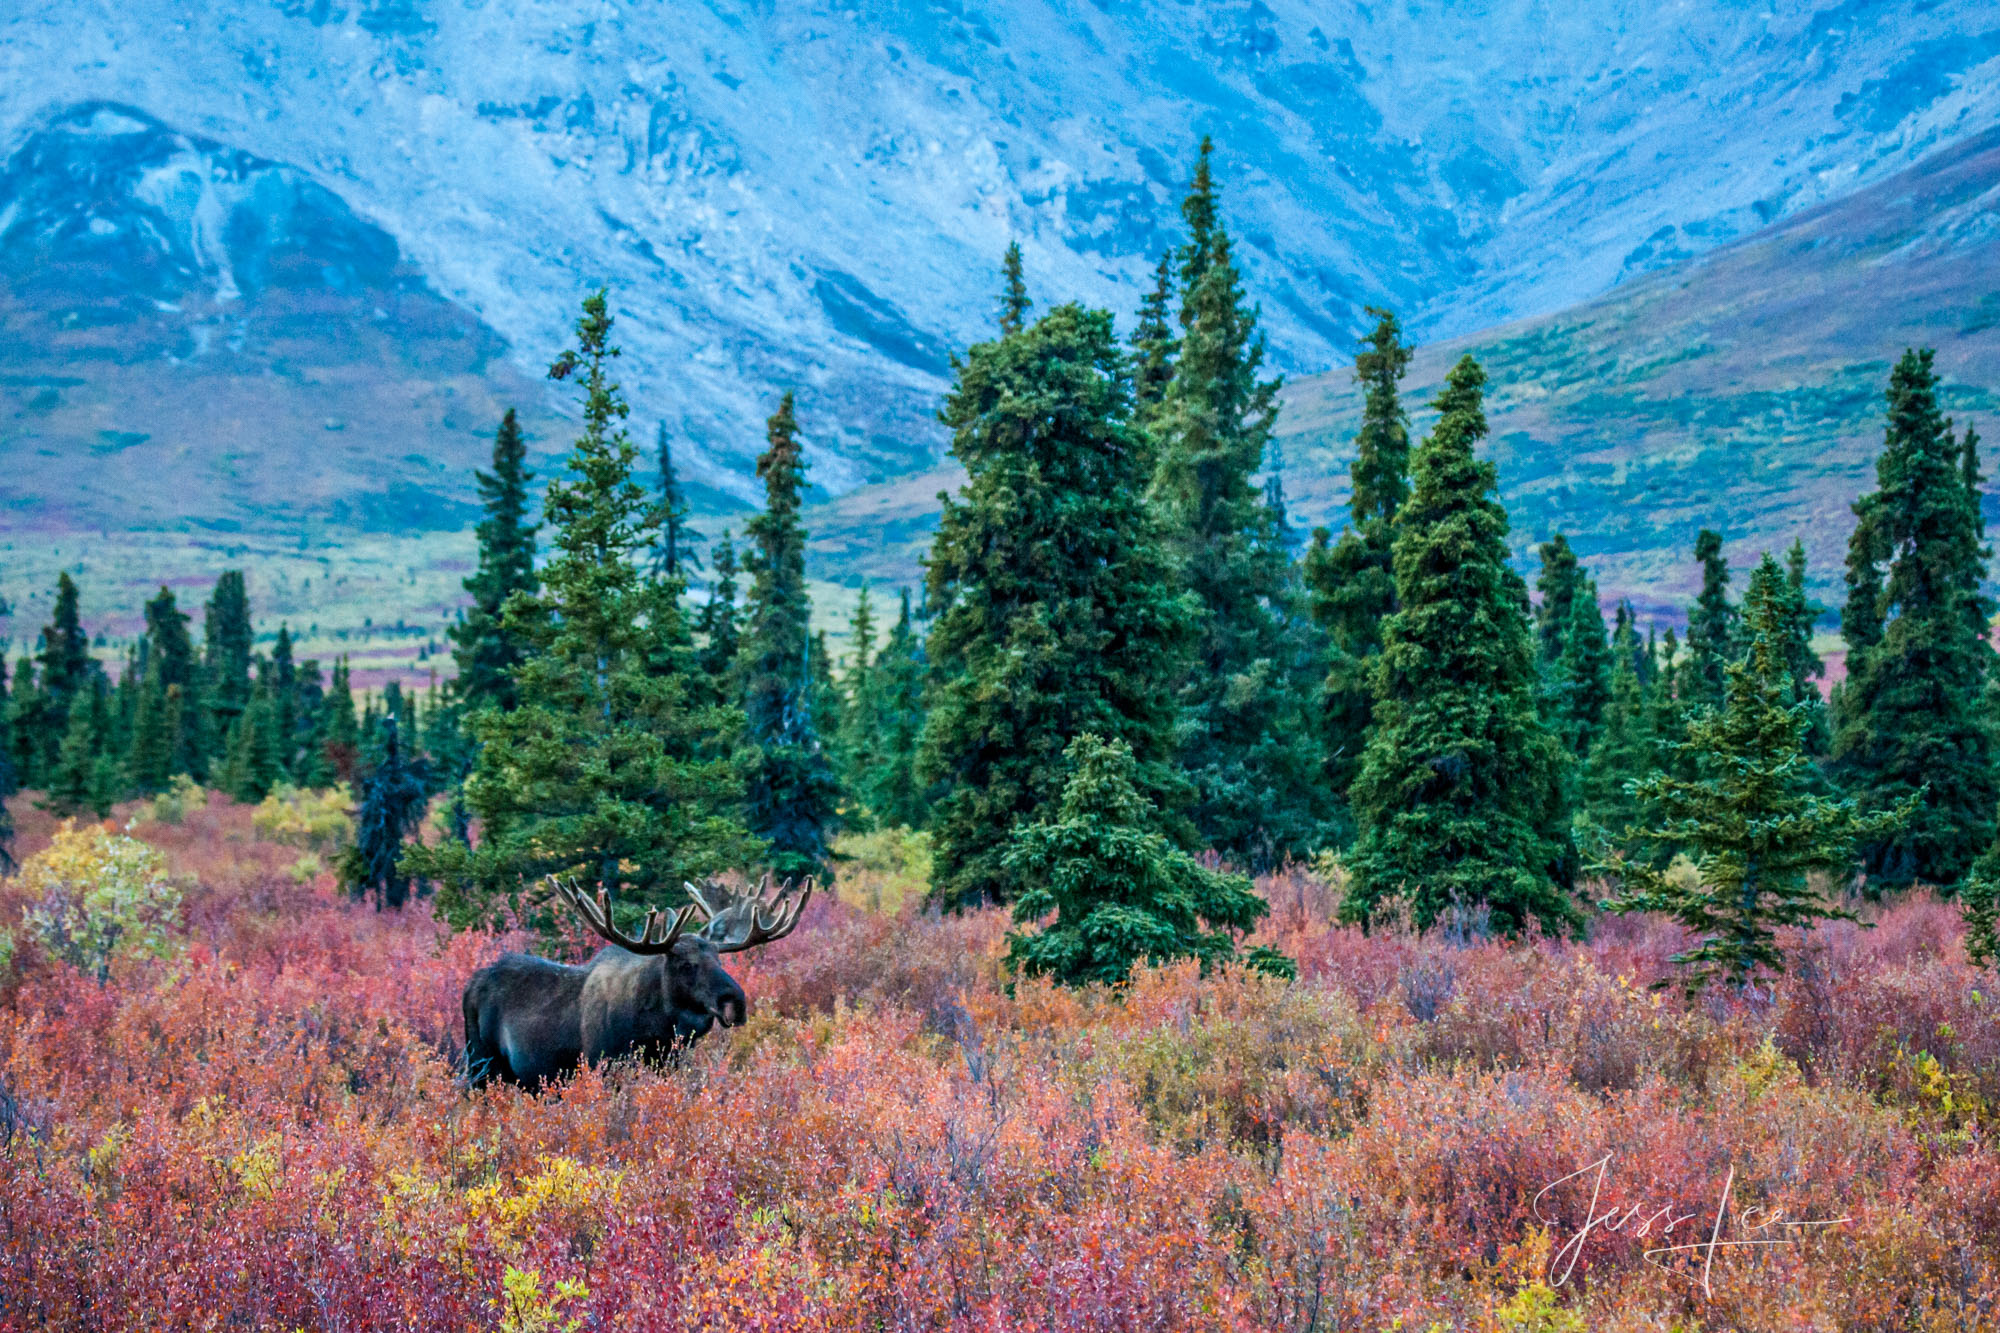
[(674, 552), (1909, 717), (28, 727), (170, 652), (895, 795), (1712, 627), (792, 797), (252, 769), (1246, 734), (1153, 343), (149, 763), (487, 650), (592, 774), (1353, 581), (67, 666), (1014, 302), (339, 740), (1801, 613), (386, 825), (281, 676), (1460, 798), (69, 783), (1978, 897), (1057, 611), (1580, 679), (1557, 583), (227, 641), (1749, 819), (717, 627), (1620, 755), (1120, 891), (859, 747)]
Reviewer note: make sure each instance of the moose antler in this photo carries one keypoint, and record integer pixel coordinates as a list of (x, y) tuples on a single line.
[(746, 921), (597, 915)]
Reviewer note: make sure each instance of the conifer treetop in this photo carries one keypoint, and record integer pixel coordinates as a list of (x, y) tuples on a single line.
[(1014, 300), (1381, 467)]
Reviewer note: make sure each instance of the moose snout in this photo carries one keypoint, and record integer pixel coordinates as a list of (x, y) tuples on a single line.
[(731, 1006)]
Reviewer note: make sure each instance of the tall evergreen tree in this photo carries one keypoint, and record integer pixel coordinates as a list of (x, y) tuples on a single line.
[(1749, 820), (1581, 677), (29, 725), (859, 740), (1153, 343), (674, 550), (170, 652), (67, 666), (1057, 611), (592, 774), (1908, 718), (1712, 624), (228, 638), (386, 825), (1353, 581), (10, 783), (1558, 582), (487, 649), (1014, 302), (896, 796), (718, 626), (281, 680), (1802, 664), (251, 768), (1246, 738), (792, 798), (149, 762), (339, 740), (1460, 799)]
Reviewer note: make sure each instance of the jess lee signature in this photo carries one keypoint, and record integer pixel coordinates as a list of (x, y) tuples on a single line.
[(1727, 1229)]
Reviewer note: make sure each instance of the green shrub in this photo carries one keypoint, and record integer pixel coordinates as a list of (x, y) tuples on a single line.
[(96, 895)]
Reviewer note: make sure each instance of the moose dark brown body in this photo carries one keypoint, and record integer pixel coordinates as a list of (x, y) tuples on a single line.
[(529, 1020)]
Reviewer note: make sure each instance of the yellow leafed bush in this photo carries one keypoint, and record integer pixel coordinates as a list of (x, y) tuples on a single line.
[(884, 868), (95, 895), (318, 821)]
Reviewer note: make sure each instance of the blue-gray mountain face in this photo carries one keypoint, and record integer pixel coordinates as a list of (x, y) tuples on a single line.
[(817, 195)]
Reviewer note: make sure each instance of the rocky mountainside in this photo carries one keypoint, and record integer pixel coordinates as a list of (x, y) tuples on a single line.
[(814, 195), (193, 337)]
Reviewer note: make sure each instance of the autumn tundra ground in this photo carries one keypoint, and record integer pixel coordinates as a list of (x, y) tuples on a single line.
[(253, 1123)]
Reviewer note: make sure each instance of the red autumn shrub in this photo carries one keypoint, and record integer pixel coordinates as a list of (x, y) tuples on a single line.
[(261, 1127)]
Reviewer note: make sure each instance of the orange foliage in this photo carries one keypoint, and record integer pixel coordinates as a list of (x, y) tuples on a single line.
[(262, 1129)]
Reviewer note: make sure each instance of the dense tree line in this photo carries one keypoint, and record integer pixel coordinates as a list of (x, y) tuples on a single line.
[(1116, 662)]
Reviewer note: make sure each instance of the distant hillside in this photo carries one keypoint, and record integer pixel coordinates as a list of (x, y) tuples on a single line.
[(196, 340), (814, 196), (1742, 391)]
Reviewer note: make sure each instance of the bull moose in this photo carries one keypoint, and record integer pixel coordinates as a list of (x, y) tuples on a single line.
[(529, 1020)]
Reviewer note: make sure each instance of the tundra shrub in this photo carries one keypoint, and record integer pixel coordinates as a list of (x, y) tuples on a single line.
[(317, 821), (182, 798), (95, 895)]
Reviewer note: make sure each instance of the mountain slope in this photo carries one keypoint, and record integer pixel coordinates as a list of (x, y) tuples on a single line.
[(1741, 391), (192, 337), (814, 195)]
